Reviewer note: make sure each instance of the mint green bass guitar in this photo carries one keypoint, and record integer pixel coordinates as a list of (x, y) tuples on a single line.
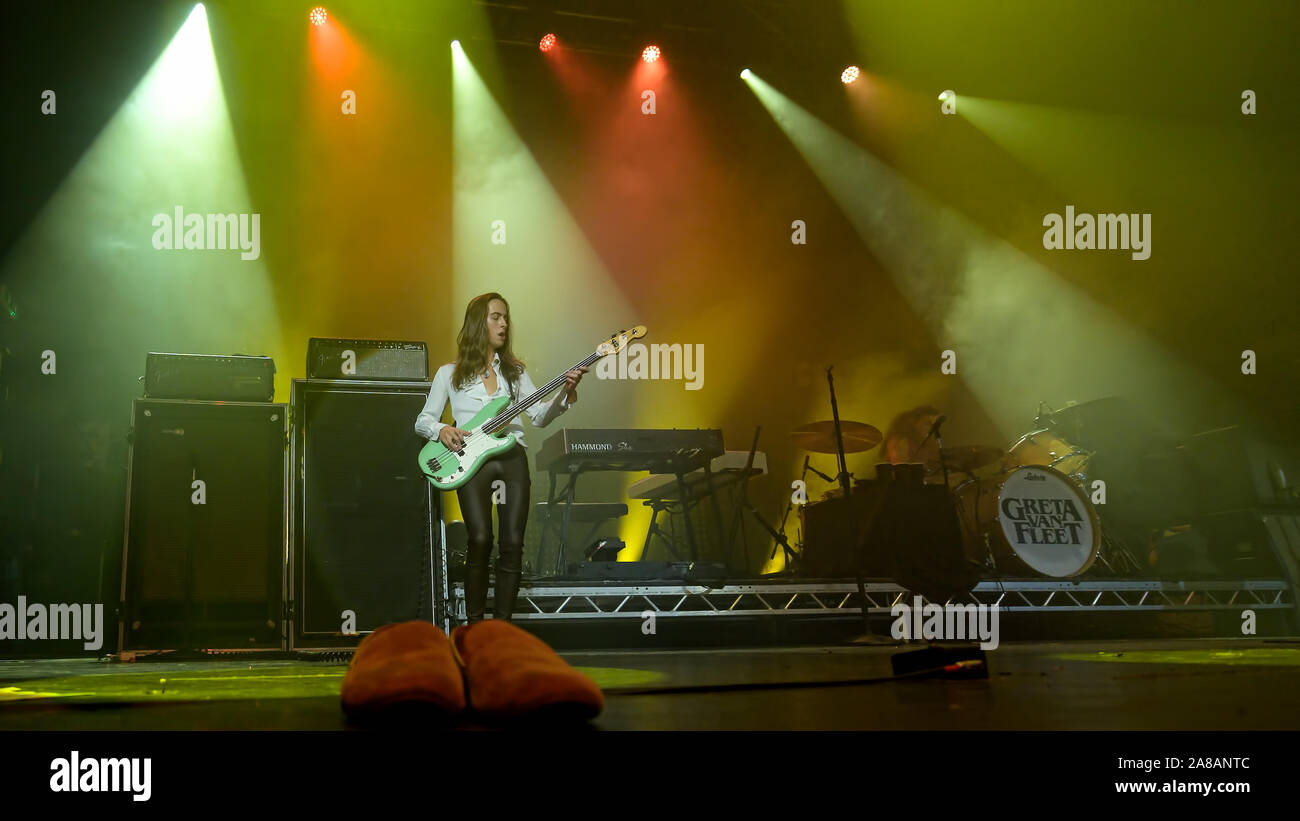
[(487, 436)]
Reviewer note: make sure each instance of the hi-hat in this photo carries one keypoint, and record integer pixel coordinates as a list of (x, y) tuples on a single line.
[(819, 437)]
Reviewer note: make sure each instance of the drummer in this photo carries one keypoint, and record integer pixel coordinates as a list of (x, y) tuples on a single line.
[(903, 441)]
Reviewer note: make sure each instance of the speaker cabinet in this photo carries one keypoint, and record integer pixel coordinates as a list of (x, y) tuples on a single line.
[(833, 532), (366, 532), (204, 545), (903, 530)]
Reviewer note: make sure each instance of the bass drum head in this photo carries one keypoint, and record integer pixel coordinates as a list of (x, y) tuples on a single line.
[(1047, 522)]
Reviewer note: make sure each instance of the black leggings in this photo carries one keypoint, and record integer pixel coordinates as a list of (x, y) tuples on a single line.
[(475, 498)]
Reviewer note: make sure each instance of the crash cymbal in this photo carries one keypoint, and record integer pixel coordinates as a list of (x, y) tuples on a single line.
[(819, 437), (971, 457)]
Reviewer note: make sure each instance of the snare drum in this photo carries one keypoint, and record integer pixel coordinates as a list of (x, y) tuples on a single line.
[(1033, 519)]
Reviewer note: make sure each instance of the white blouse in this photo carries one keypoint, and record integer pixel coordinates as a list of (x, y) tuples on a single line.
[(471, 399)]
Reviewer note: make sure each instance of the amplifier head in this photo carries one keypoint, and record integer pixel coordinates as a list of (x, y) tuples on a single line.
[(370, 359)]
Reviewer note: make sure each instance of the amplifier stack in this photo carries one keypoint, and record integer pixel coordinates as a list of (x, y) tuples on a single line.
[(260, 526)]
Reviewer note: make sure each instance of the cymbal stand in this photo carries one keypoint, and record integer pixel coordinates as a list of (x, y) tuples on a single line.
[(847, 485), (843, 476), (781, 542)]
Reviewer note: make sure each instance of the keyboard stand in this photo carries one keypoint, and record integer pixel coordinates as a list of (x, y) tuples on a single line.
[(595, 514), (658, 506), (687, 500), (679, 463), (712, 493), (553, 501)]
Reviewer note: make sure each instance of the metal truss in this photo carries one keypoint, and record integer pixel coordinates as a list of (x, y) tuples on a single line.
[(569, 601)]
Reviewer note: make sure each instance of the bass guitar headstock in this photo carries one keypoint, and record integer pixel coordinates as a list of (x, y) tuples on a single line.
[(619, 340)]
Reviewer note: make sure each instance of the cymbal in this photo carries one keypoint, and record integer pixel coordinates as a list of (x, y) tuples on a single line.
[(971, 457), (819, 437)]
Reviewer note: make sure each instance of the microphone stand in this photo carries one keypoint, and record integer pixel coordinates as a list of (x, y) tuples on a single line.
[(839, 438), (938, 436), (807, 467)]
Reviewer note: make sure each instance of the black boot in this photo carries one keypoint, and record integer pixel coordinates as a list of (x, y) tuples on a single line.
[(476, 585), (507, 589)]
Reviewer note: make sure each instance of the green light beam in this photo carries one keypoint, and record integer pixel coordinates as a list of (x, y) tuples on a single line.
[(1021, 334)]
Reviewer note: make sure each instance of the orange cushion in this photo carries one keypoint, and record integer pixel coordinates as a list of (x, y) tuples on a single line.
[(514, 674), (409, 663)]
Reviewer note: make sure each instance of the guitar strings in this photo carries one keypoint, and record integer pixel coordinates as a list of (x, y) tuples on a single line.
[(514, 410)]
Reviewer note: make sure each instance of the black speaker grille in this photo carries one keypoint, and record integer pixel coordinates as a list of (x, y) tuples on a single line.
[(364, 543), (203, 563)]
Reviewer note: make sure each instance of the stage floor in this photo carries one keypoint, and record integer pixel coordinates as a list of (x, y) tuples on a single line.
[(1136, 685)]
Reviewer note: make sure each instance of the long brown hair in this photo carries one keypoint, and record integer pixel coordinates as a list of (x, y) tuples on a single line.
[(473, 350), (904, 424)]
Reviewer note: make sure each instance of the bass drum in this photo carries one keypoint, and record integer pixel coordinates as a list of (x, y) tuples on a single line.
[(1033, 520)]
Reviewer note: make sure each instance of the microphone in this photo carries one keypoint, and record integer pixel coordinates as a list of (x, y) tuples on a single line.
[(934, 429)]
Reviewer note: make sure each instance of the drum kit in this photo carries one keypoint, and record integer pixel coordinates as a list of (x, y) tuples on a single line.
[(1024, 510)]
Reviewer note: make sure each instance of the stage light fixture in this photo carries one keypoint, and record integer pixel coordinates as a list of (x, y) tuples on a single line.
[(548, 42), (744, 72), (650, 53), (317, 16), (849, 74)]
